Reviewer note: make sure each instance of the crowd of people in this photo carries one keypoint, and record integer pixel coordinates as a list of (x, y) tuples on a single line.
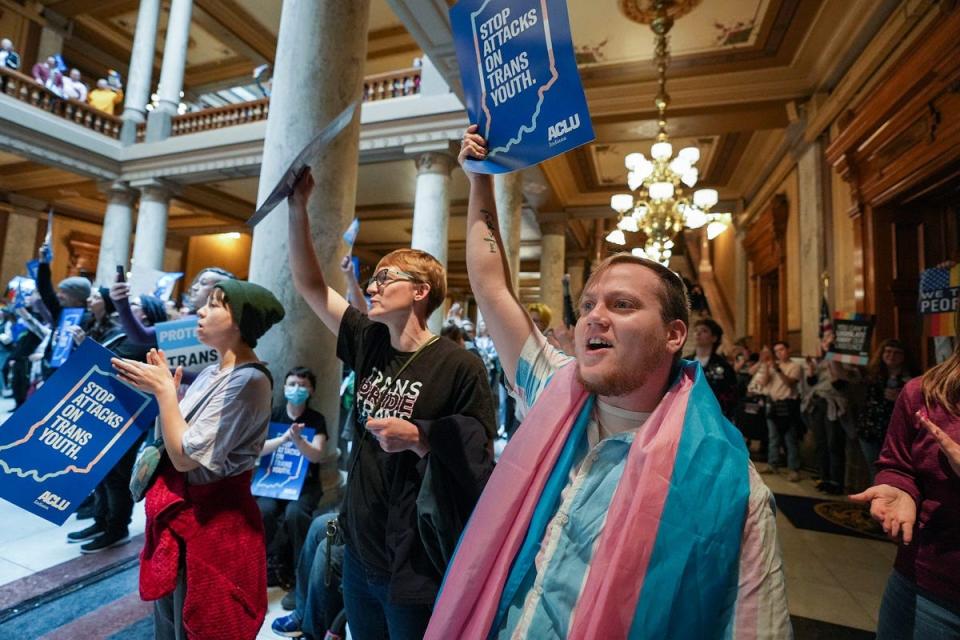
[(624, 503), (67, 83)]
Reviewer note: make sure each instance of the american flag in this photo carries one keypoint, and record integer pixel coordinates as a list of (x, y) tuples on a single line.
[(826, 323), (935, 279)]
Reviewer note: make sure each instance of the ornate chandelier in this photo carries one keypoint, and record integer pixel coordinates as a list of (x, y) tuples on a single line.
[(663, 184)]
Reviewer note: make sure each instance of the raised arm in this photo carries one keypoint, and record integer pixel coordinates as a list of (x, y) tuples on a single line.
[(354, 290), (304, 264), (506, 319)]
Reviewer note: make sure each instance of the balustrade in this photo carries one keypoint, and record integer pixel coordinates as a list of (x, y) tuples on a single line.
[(383, 86), (26, 89)]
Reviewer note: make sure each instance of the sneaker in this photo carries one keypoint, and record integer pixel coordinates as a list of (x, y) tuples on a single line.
[(289, 602), (287, 626), (89, 533), (793, 476), (106, 541)]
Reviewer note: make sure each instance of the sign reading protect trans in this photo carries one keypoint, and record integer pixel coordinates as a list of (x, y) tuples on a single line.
[(178, 339), (59, 445), (282, 473), (520, 80)]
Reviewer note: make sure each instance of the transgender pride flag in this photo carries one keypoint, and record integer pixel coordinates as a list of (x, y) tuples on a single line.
[(940, 299)]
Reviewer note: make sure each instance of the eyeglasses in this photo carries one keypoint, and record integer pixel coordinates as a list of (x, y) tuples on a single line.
[(383, 277)]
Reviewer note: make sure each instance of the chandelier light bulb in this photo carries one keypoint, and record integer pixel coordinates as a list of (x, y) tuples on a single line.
[(628, 223), (715, 228), (640, 253), (661, 150), (621, 202), (616, 237), (640, 212), (690, 154), (668, 244), (634, 160), (644, 170), (690, 177), (694, 217), (634, 180), (705, 198), (679, 166), (661, 190)]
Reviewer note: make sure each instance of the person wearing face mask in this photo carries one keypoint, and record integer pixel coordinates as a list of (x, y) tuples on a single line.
[(292, 518)]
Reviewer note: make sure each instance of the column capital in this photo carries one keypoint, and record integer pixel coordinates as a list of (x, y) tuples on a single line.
[(118, 191), (155, 188), (434, 162)]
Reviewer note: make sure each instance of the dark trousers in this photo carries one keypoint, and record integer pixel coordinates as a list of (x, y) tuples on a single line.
[(20, 380), (907, 613), (831, 442), (286, 522), (113, 502), (317, 603), (370, 614)]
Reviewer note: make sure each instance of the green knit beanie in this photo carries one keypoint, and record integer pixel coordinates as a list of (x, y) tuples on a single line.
[(254, 308)]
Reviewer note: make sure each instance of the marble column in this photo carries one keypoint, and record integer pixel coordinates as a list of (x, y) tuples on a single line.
[(151, 237), (811, 216), (552, 247), (137, 90), (576, 269), (508, 190), (159, 123), (431, 212), (318, 71), (117, 224)]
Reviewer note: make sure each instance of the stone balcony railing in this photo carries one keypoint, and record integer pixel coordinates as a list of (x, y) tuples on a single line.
[(383, 86), (26, 89)]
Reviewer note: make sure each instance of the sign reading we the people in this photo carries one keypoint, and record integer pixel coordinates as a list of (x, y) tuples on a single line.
[(178, 339), (520, 80), (282, 473), (940, 299), (852, 343), (69, 434)]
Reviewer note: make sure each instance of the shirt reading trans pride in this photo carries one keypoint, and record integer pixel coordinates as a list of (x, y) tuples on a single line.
[(545, 601)]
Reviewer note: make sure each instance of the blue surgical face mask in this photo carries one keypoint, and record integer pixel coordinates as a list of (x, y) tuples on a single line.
[(295, 394)]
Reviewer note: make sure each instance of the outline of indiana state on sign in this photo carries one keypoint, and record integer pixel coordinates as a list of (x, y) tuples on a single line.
[(520, 80), (69, 434)]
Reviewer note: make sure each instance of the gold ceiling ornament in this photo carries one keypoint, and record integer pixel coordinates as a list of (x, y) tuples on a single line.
[(664, 203), (645, 11)]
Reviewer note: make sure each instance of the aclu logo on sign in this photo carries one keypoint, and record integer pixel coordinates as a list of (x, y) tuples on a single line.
[(50, 499), (557, 133)]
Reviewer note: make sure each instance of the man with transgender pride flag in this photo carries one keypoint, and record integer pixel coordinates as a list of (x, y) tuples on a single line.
[(626, 505)]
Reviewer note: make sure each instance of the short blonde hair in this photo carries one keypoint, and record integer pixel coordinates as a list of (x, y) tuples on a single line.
[(425, 268), (541, 310)]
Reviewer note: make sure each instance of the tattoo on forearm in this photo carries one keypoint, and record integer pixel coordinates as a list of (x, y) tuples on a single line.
[(491, 237)]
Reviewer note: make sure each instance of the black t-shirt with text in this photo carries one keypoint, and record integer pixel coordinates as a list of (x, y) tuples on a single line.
[(379, 509)]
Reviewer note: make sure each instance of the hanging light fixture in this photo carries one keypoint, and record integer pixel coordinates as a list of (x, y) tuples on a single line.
[(663, 204)]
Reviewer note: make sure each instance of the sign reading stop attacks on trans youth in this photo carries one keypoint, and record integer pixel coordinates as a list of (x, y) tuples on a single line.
[(520, 80), (66, 437)]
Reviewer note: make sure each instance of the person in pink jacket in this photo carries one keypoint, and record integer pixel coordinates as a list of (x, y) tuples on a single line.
[(917, 499)]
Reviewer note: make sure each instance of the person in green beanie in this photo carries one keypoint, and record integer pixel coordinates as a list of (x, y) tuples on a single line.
[(204, 562)]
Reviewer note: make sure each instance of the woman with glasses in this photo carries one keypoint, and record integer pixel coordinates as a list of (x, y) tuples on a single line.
[(423, 407), (887, 374)]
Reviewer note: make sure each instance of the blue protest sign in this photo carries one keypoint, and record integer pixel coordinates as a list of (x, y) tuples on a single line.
[(32, 266), (179, 341), (165, 283), (62, 442), (63, 338), (520, 80), (282, 473)]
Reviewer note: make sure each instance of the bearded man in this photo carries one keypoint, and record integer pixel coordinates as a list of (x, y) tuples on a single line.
[(626, 504)]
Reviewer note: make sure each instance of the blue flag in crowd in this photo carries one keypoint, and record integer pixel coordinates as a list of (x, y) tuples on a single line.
[(520, 80), (63, 338), (350, 235), (59, 445)]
